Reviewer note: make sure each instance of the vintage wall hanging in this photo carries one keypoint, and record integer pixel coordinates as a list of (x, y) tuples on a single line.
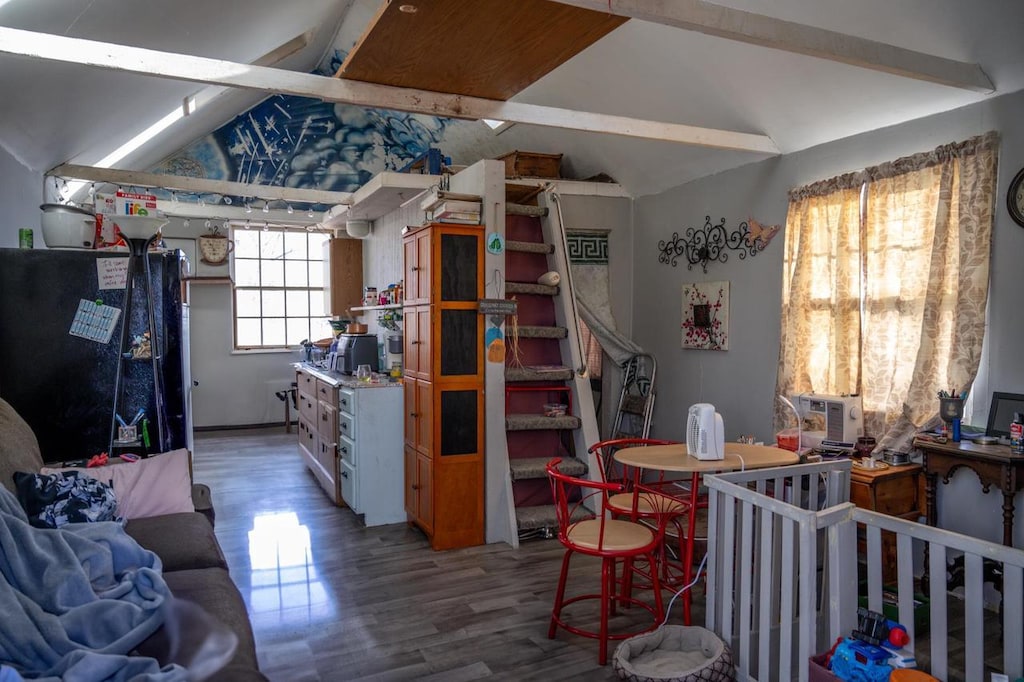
[(713, 243)]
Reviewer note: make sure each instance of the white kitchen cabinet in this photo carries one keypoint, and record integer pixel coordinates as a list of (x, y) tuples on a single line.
[(370, 463)]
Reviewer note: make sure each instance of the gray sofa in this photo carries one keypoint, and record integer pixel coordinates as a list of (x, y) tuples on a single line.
[(194, 566)]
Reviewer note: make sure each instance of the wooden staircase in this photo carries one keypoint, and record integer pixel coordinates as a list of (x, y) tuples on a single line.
[(539, 370)]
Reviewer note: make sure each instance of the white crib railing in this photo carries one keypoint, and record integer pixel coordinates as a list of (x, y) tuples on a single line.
[(782, 573)]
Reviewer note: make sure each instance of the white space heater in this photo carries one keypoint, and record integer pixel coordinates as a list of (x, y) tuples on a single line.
[(705, 432)]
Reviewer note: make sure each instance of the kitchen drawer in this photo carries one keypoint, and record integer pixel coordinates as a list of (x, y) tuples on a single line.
[(307, 437), (347, 425), (347, 477), (327, 423), (306, 382), (326, 392), (347, 400), (308, 407), (347, 450)]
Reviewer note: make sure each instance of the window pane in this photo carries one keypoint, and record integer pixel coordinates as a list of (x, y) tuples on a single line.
[(298, 330), (316, 273), (297, 303), (247, 244), (273, 332), (320, 328), (273, 303), (272, 273), (295, 273), (316, 245), (316, 305), (247, 302), (271, 244), (247, 273), (248, 333), (295, 245)]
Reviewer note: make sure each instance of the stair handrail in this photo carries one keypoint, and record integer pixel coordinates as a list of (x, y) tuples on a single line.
[(582, 369)]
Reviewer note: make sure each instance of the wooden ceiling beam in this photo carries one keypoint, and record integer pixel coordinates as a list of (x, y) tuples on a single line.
[(758, 29), (279, 81)]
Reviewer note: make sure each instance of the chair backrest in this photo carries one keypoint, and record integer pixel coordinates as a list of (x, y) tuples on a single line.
[(577, 498), (606, 449)]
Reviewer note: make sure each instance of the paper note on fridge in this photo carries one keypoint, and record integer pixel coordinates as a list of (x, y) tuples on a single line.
[(112, 273)]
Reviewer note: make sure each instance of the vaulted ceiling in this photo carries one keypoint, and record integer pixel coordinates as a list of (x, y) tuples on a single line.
[(651, 93)]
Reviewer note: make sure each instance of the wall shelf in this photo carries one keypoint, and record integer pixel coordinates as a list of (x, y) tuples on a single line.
[(391, 306)]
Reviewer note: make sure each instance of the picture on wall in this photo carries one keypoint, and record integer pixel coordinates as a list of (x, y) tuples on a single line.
[(706, 315)]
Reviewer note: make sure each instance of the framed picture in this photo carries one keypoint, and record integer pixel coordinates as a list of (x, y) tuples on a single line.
[(706, 315)]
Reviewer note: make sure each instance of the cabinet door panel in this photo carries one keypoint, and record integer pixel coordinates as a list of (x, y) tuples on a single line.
[(424, 357), (410, 413), (412, 289), (460, 347), (424, 477), (458, 276), (410, 341), (412, 503), (459, 423), (425, 418), (423, 265)]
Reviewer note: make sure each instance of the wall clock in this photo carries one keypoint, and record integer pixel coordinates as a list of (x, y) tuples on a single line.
[(1015, 198)]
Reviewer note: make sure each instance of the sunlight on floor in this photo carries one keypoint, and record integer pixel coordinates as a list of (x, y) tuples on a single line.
[(286, 586)]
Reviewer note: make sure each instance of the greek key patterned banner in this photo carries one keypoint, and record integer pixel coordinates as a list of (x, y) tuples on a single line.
[(587, 248)]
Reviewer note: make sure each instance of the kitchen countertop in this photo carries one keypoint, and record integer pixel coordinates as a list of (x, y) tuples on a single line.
[(345, 380)]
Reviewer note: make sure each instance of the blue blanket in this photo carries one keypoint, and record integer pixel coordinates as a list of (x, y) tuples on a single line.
[(76, 600)]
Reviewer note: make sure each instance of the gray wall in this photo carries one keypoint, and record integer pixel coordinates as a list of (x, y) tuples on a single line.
[(21, 192), (741, 381)]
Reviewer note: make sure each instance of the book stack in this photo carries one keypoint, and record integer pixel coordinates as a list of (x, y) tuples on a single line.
[(447, 207)]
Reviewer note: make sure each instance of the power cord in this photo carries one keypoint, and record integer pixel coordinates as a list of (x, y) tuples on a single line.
[(668, 609)]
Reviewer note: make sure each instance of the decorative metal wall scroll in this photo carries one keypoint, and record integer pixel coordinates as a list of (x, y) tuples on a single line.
[(713, 243)]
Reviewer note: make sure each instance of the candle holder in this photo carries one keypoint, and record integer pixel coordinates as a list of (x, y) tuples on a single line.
[(951, 410)]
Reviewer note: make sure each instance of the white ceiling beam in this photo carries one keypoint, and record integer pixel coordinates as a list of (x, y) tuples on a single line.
[(218, 72), (181, 183), (758, 29)]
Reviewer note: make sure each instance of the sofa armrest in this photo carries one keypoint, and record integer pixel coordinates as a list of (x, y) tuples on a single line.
[(202, 499)]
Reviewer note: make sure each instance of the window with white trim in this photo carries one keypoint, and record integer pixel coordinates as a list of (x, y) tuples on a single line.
[(279, 288)]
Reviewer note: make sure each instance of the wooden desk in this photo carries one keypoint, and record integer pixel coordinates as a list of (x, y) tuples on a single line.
[(993, 464), (674, 458)]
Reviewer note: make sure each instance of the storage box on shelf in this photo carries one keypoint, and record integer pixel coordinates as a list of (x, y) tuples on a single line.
[(531, 165), (443, 385)]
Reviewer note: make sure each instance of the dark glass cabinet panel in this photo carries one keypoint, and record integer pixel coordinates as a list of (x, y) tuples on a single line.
[(459, 342), (459, 422), (458, 267)]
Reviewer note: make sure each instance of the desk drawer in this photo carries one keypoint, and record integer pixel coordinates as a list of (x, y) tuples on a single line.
[(326, 392), (347, 425), (347, 450), (306, 383), (327, 424), (308, 407), (347, 400)]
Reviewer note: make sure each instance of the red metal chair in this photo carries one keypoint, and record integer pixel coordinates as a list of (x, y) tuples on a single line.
[(647, 505), (594, 532)]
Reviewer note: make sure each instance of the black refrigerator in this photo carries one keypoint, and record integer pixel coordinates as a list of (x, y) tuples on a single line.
[(62, 384)]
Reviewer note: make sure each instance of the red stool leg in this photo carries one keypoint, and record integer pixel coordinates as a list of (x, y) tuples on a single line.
[(556, 610)]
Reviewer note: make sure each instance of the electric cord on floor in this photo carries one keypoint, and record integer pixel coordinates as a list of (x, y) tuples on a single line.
[(696, 578)]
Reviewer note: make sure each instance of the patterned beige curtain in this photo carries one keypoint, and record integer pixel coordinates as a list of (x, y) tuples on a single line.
[(820, 348), (921, 254), (928, 233)]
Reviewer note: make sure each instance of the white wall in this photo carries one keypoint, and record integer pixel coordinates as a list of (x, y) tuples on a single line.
[(741, 381), (21, 192)]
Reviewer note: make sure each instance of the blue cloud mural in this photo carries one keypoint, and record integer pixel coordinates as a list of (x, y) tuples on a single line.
[(288, 141)]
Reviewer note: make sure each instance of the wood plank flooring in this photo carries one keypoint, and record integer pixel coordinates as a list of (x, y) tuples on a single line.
[(330, 599)]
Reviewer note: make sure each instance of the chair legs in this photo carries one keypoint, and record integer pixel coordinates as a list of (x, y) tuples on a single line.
[(608, 597)]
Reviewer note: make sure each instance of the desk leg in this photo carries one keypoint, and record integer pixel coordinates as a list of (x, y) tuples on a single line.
[(929, 497), (688, 554), (1008, 518)]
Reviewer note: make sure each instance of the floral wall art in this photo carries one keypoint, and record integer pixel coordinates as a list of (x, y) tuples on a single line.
[(706, 315)]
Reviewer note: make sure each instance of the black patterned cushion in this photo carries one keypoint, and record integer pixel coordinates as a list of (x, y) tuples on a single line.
[(53, 500)]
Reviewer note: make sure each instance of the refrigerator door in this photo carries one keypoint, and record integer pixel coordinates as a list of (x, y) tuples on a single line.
[(63, 385)]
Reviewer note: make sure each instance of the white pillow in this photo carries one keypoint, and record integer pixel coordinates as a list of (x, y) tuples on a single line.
[(157, 485)]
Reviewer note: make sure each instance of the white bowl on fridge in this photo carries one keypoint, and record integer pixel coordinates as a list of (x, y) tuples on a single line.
[(68, 227)]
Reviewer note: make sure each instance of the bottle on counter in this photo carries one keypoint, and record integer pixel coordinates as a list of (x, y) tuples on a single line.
[(1017, 434)]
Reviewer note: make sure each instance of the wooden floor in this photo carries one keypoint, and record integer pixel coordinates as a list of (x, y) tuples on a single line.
[(330, 599)]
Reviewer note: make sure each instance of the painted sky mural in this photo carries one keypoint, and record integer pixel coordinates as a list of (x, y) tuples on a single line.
[(289, 141)]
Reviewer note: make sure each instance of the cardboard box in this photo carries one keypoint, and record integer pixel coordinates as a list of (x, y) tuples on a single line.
[(119, 203)]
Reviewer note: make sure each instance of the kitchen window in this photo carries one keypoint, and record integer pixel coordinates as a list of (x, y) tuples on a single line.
[(279, 288)]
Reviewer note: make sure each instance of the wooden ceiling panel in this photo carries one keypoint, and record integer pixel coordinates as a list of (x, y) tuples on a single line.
[(480, 48)]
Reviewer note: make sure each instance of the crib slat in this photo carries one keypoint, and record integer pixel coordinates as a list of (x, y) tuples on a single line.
[(745, 598), (874, 542), (808, 582), (786, 603), (842, 580), (1013, 621), (767, 578), (937, 609), (974, 624), (714, 563), (905, 581), (728, 563)]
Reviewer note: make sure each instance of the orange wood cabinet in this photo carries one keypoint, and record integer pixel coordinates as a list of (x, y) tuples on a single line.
[(443, 384), (343, 263)]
